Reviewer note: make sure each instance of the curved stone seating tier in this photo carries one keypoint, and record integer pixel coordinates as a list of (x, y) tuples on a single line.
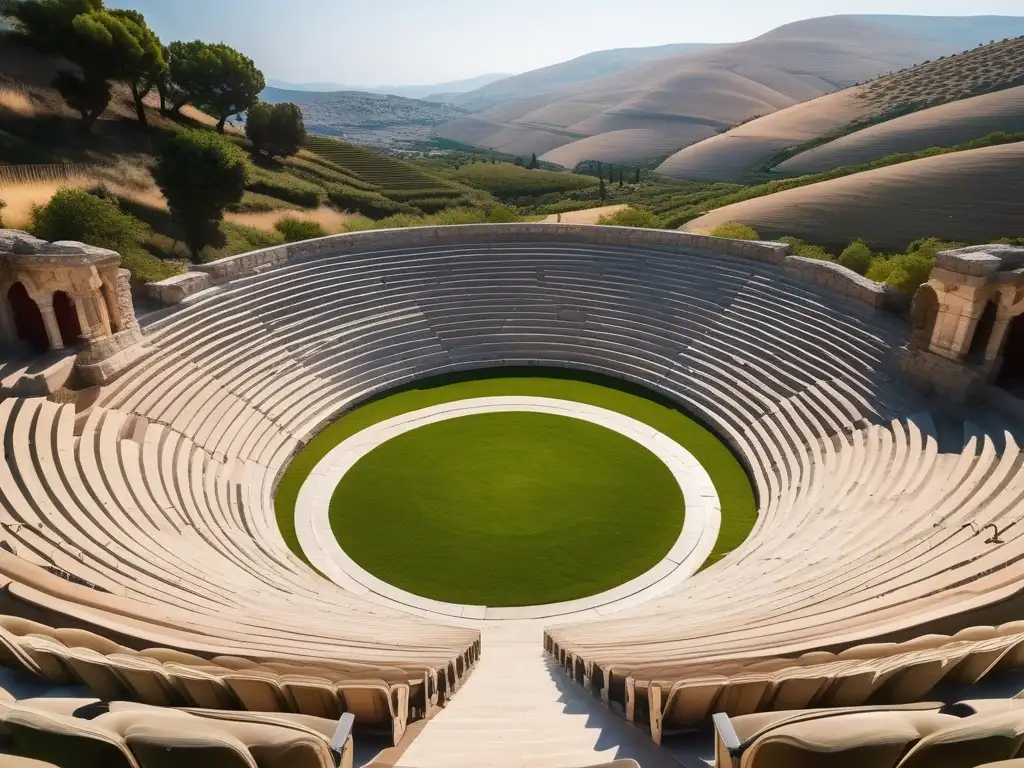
[(158, 503)]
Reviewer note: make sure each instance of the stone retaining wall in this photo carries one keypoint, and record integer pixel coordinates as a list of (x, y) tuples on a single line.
[(176, 289), (846, 283)]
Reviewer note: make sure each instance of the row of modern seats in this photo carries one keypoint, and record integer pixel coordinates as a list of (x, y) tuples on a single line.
[(673, 698), (969, 734), (380, 699)]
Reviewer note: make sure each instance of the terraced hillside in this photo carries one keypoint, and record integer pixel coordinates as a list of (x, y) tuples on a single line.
[(387, 173), (767, 142)]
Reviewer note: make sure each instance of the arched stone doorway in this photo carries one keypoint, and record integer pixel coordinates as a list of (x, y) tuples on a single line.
[(67, 319), (983, 332), (1012, 375), (28, 320)]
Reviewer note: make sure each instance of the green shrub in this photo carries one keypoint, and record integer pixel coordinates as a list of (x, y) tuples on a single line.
[(147, 268), (909, 271), (807, 250), (285, 186), (735, 231), (857, 256), (880, 269), (631, 216), (73, 214), (371, 204), (295, 230), (929, 246), (502, 214)]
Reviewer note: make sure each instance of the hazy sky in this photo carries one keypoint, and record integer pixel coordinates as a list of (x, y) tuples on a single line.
[(403, 42)]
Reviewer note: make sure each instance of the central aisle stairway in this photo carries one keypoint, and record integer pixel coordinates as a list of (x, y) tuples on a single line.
[(518, 709)]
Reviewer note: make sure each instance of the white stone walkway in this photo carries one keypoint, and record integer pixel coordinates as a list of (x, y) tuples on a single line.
[(518, 709), (696, 539)]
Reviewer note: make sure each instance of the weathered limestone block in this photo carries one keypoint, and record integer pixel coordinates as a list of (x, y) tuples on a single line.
[(938, 375), (104, 360), (175, 290)]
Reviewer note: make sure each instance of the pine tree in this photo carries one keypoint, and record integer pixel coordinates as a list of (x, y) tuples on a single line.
[(534, 165), (602, 191), (637, 175)]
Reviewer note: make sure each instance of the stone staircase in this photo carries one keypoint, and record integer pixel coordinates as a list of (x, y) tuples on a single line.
[(518, 709)]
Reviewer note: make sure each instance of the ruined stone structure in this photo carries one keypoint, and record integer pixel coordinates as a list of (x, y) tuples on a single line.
[(67, 296), (967, 321)]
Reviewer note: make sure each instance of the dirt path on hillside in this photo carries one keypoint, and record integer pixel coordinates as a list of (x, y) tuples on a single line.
[(587, 216)]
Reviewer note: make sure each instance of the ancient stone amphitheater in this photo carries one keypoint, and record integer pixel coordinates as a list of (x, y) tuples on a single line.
[(142, 557)]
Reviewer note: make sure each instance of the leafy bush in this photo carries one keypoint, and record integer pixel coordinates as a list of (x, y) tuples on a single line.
[(371, 204), (276, 129), (909, 271), (807, 250), (295, 230), (880, 269), (147, 268), (929, 246), (285, 186), (631, 216), (502, 214), (735, 231), (857, 256), (73, 214)]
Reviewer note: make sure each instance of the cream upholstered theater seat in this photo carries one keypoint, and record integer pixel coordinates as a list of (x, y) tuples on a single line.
[(65, 740), (907, 736), (983, 737)]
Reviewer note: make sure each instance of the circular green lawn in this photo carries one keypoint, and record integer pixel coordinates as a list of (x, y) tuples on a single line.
[(578, 547), (511, 508)]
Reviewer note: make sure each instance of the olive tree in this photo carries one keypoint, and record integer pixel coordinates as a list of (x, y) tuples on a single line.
[(200, 174), (275, 129)]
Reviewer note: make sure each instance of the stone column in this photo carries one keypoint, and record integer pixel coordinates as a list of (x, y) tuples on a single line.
[(84, 322), (109, 295), (50, 321), (126, 320)]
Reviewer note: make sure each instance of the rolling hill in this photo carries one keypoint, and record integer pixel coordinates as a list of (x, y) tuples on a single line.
[(590, 66), (943, 126), (729, 156), (971, 196), (638, 114)]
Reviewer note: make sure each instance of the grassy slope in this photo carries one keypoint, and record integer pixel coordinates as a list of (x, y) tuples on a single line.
[(739, 511), (485, 509)]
